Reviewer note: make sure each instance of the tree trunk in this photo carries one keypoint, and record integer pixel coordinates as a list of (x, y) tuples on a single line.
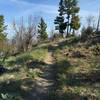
[(73, 32), (62, 34), (98, 22), (68, 25), (70, 29)]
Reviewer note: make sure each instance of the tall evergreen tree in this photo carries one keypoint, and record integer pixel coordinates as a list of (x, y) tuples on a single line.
[(2, 32), (61, 26), (75, 20), (68, 9), (42, 30), (75, 23), (72, 9), (2, 28)]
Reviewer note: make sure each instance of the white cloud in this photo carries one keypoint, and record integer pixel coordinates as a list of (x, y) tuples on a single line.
[(34, 8)]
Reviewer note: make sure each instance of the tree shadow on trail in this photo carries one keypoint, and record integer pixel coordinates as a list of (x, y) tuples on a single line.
[(35, 64), (26, 89)]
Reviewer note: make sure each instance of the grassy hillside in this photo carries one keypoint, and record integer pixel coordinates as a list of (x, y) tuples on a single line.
[(21, 73), (78, 71), (76, 67)]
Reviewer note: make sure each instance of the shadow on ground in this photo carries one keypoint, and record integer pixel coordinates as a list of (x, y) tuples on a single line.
[(78, 79), (26, 89)]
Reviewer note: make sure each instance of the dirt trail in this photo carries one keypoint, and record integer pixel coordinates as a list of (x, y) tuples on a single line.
[(49, 58), (44, 85)]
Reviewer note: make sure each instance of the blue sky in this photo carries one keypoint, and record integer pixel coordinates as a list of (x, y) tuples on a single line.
[(14, 9)]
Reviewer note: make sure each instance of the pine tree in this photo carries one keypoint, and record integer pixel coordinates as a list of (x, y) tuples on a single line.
[(71, 10), (75, 23), (2, 28), (2, 32), (75, 20), (68, 9), (61, 26), (42, 30)]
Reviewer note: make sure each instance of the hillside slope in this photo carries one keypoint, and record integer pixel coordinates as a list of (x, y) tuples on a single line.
[(54, 71)]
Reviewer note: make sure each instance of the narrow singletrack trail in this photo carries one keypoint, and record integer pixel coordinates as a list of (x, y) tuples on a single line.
[(44, 85)]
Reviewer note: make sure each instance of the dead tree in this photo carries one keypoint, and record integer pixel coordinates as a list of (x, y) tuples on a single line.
[(98, 24), (25, 31)]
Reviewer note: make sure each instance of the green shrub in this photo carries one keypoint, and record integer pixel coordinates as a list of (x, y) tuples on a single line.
[(86, 33), (34, 73), (22, 59), (62, 79), (63, 65)]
